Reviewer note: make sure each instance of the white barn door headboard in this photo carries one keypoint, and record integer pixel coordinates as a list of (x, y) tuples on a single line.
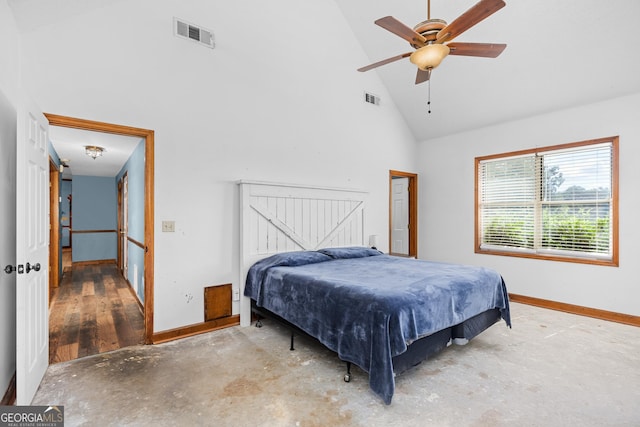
[(284, 217)]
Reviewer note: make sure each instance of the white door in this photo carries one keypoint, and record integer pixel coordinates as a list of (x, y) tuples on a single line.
[(400, 216), (32, 247)]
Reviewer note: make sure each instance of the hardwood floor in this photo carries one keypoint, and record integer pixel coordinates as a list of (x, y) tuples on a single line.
[(92, 311), (66, 259)]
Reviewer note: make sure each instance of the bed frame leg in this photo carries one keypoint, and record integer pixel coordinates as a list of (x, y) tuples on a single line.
[(258, 321), (347, 376), (292, 341)]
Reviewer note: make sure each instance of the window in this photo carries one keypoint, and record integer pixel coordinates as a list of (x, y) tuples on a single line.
[(556, 203)]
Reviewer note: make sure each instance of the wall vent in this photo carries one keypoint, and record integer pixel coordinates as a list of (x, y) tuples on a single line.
[(371, 98), (192, 32)]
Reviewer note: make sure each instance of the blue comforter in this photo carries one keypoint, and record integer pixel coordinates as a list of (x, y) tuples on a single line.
[(369, 307)]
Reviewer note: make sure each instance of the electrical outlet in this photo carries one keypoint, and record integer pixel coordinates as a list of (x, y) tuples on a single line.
[(168, 226)]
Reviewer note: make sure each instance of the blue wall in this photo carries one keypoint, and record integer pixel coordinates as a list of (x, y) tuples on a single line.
[(134, 168), (94, 208)]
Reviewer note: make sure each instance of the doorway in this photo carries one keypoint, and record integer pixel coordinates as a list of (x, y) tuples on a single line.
[(148, 244), (403, 214)]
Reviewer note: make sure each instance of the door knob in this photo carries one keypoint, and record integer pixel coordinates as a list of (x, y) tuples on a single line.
[(11, 268), (35, 267)]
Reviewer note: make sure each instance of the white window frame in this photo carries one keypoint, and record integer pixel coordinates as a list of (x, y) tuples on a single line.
[(535, 249)]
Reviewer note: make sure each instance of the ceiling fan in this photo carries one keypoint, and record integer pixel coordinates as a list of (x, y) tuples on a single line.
[(431, 38)]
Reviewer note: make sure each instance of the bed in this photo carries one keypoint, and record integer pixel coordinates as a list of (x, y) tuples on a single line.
[(383, 313)]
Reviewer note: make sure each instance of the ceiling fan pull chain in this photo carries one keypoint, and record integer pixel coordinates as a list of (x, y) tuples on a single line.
[(429, 96)]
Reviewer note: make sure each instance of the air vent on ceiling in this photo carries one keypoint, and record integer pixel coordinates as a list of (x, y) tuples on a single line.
[(196, 33), (371, 98)]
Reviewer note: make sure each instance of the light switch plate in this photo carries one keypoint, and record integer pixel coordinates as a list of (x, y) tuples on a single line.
[(168, 226)]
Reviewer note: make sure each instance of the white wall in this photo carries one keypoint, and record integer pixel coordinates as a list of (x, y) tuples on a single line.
[(9, 53), (278, 99), (8, 93), (8, 120), (447, 205)]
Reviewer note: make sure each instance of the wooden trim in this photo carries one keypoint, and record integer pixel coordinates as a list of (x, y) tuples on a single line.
[(135, 242), (76, 123), (9, 397), (413, 210), (149, 173), (94, 262), (610, 316), (93, 231), (120, 244), (591, 261), (54, 225), (198, 328), (548, 148), (149, 153)]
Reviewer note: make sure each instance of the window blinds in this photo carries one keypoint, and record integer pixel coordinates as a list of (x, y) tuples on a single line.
[(553, 201)]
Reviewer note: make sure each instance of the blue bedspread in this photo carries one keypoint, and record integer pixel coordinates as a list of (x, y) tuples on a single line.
[(368, 307)]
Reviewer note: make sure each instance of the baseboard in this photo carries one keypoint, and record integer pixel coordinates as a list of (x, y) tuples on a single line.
[(610, 316), (9, 397), (198, 328), (94, 262)]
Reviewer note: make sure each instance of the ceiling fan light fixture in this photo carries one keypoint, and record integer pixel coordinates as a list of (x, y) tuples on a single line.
[(429, 56), (93, 151)]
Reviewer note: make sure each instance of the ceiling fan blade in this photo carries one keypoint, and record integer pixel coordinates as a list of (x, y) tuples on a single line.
[(390, 23), (471, 17), (485, 50), (423, 76), (384, 61)]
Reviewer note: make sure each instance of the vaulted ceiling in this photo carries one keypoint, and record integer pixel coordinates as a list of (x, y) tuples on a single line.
[(559, 54)]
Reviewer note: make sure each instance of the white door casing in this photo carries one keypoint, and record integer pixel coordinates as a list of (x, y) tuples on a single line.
[(400, 216), (32, 251)]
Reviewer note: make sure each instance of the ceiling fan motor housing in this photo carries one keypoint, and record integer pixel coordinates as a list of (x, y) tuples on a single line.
[(429, 29)]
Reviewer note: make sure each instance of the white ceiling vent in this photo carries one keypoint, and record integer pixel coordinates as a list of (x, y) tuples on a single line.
[(196, 33), (371, 98)]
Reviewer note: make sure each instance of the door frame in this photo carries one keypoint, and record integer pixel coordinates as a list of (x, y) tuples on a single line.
[(123, 223), (54, 226), (120, 244), (148, 136), (413, 209)]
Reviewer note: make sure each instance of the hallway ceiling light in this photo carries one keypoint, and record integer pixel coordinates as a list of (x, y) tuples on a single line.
[(93, 151)]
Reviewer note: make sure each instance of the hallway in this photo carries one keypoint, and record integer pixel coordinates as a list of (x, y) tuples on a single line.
[(93, 311)]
